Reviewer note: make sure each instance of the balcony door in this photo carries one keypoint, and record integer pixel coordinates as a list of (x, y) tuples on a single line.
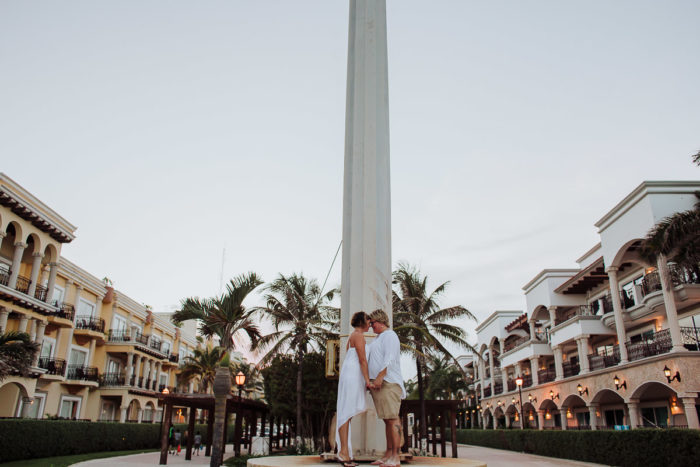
[(70, 407), (77, 357), (108, 411), (113, 366), (47, 347), (59, 294), (85, 308)]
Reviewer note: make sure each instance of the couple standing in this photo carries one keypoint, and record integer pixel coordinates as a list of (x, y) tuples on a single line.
[(377, 367)]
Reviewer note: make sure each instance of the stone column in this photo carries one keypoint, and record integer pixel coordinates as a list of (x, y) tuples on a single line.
[(139, 416), (691, 414), (129, 367), (534, 368), (26, 405), (492, 370), (53, 269), (593, 411), (482, 375), (36, 268), (4, 313), (617, 310), (507, 421), (16, 263), (552, 315), (23, 323), (138, 370), (532, 329), (582, 345), (540, 419), (122, 416), (146, 371), (40, 328), (504, 379), (562, 416), (558, 363), (32, 330), (91, 359), (670, 305), (98, 307), (76, 299), (633, 409)]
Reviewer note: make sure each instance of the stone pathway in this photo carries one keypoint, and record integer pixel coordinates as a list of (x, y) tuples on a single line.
[(149, 459)]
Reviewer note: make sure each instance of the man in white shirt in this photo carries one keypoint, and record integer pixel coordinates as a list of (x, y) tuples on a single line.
[(386, 383)]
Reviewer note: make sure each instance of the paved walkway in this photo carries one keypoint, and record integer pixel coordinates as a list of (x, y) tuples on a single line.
[(492, 458)]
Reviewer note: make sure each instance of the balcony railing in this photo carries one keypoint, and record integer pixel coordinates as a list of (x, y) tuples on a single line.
[(4, 276), (581, 310), (53, 366), (174, 358), (570, 369), (40, 293), (545, 376), (155, 343), (65, 311), (510, 345), (657, 344), (605, 358), (119, 335), (497, 388), (23, 284), (602, 305), (140, 383), (527, 381), (626, 300), (132, 381), (487, 391), (112, 379), (511, 385), (82, 373), (90, 323), (140, 338), (691, 338), (652, 283)]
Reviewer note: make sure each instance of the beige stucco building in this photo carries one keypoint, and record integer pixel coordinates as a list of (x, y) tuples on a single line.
[(596, 343), (103, 356)]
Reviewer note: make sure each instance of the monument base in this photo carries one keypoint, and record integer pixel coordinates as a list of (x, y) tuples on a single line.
[(315, 461), (332, 457)]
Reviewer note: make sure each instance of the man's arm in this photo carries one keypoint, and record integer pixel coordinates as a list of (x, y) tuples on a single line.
[(379, 379)]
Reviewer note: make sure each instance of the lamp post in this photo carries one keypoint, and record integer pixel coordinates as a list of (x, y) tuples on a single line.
[(240, 381), (519, 383)]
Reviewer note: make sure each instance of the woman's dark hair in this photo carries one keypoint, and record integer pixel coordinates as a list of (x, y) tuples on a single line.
[(359, 319)]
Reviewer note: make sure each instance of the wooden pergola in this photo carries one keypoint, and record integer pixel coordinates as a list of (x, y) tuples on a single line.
[(248, 409)]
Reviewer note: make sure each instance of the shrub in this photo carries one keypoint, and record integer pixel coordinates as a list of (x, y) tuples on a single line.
[(623, 448)]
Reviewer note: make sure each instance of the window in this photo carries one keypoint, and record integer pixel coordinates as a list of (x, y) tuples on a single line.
[(59, 294), (85, 308), (78, 357), (108, 411), (113, 366), (166, 347), (583, 418), (118, 323), (643, 337), (37, 406), (47, 347), (655, 417), (70, 407), (614, 417)]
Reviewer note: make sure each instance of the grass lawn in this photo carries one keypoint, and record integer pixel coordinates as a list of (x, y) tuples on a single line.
[(64, 461)]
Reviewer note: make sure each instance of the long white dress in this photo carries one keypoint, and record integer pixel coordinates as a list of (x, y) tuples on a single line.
[(352, 397)]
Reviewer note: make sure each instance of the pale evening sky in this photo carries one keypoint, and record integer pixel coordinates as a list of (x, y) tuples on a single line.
[(168, 130)]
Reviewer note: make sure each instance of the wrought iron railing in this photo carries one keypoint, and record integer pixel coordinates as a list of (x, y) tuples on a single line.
[(82, 373), (513, 343), (65, 311), (4, 276), (604, 358), (691, 338), (132, 380), (545, 376), (53, 366), (487, 391), (174, 358), (155, 343), (497, 388), (40, 293), (140, 382), (23, 284), (511, 385), (140, 338), (658, 343), (627, 299), (119, 335), (581, 310), (90, 323), (570, 369), (112, 379), (527, 381)]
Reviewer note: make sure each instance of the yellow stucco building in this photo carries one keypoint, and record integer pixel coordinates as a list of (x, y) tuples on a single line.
[(103, 356)]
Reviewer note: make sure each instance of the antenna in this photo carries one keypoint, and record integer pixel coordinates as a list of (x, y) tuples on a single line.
[(221, 275)]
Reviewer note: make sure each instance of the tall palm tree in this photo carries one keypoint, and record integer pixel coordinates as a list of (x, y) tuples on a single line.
[(303, 320), (224, 317), (202, 363), (17, 353), (421, 324)]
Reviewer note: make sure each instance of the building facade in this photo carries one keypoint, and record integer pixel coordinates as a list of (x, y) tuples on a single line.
[(102, 355), (612, 343)]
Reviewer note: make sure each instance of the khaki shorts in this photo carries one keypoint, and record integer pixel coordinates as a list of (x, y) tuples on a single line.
[(387, 400)]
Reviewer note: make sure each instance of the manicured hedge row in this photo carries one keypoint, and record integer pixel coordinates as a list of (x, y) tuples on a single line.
[(28, 439), (647, 447)]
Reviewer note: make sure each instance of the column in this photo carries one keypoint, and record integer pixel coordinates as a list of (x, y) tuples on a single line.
[(633, 409), (508, 421), (690, 413), (532, 329), (53, 269), (26, 405), (146, 372), (157, 375), (36, 268), (552, 314), (494, 422), (23, 323), (534, 368), (482, 375), (91, 357), (670, 305), (593, 411), (617, 310), (129, 367), (540, 419), (98, 307), (582, 345), (138, 370), (16, 263), (562, 416), (76, 299), (139, 415), (122, 416), (504, 379), (40, 328), (4, 313), (32, 330), (491, 368), (558, 363)]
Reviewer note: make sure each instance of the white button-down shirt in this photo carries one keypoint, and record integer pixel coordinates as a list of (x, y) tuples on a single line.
[(385, 352)]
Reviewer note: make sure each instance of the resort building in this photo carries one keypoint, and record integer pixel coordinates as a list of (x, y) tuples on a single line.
[(612, 343), (102, 355)]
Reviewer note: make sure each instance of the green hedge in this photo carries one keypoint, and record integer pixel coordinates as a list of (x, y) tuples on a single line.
[(648, 447), (29, 439)]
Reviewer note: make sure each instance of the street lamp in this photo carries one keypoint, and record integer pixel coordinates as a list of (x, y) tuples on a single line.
[(519, 383), (240, 381)]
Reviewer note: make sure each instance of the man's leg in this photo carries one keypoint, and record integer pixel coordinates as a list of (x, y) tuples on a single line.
[(395, 439)]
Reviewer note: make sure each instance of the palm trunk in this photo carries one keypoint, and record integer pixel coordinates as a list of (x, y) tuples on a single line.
[(421, 397), (300, 357)]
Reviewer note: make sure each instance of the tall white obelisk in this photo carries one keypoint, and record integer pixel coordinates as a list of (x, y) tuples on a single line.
[(366, 276)]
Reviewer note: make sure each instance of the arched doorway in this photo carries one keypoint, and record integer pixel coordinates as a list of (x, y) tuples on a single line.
[(659, 406), (611, 409)]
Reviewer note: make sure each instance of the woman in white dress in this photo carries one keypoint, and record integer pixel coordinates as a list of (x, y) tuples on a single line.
[(352, 387)]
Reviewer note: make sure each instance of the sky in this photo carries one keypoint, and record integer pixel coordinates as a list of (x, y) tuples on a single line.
[(168, 131)]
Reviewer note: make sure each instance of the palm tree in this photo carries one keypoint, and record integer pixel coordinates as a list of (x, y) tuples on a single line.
[(224, 317), (420, 324), (202, 363), (446, 381), (17, 353), (303, 319), (253, 379)]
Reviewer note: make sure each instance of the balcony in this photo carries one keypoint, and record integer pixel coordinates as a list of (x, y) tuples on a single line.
[(510, 345), (602, 305), (487, 391), (53, 366), (119, 335), (570, 369), (82, 373), (545, 376), (23, 284), (581, 310), (511, 385), (89, 323), (656, 344), (112, 379), (605, 358), (691, 338), (578, 321), (174, 358), (497, 388), (142, 339), (679, 276), (527, 381), (155, 343)]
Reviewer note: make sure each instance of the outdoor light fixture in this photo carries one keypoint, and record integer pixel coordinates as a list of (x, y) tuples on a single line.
[(478, 407), (580, 390), (500, 403), (553, 396), (513, 401), (519, 381), (240, 381), (165, 391), (548, 415), (667, 372), (568, 413), (517, 418), (619, 384), (531, 417), (532, 399)]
